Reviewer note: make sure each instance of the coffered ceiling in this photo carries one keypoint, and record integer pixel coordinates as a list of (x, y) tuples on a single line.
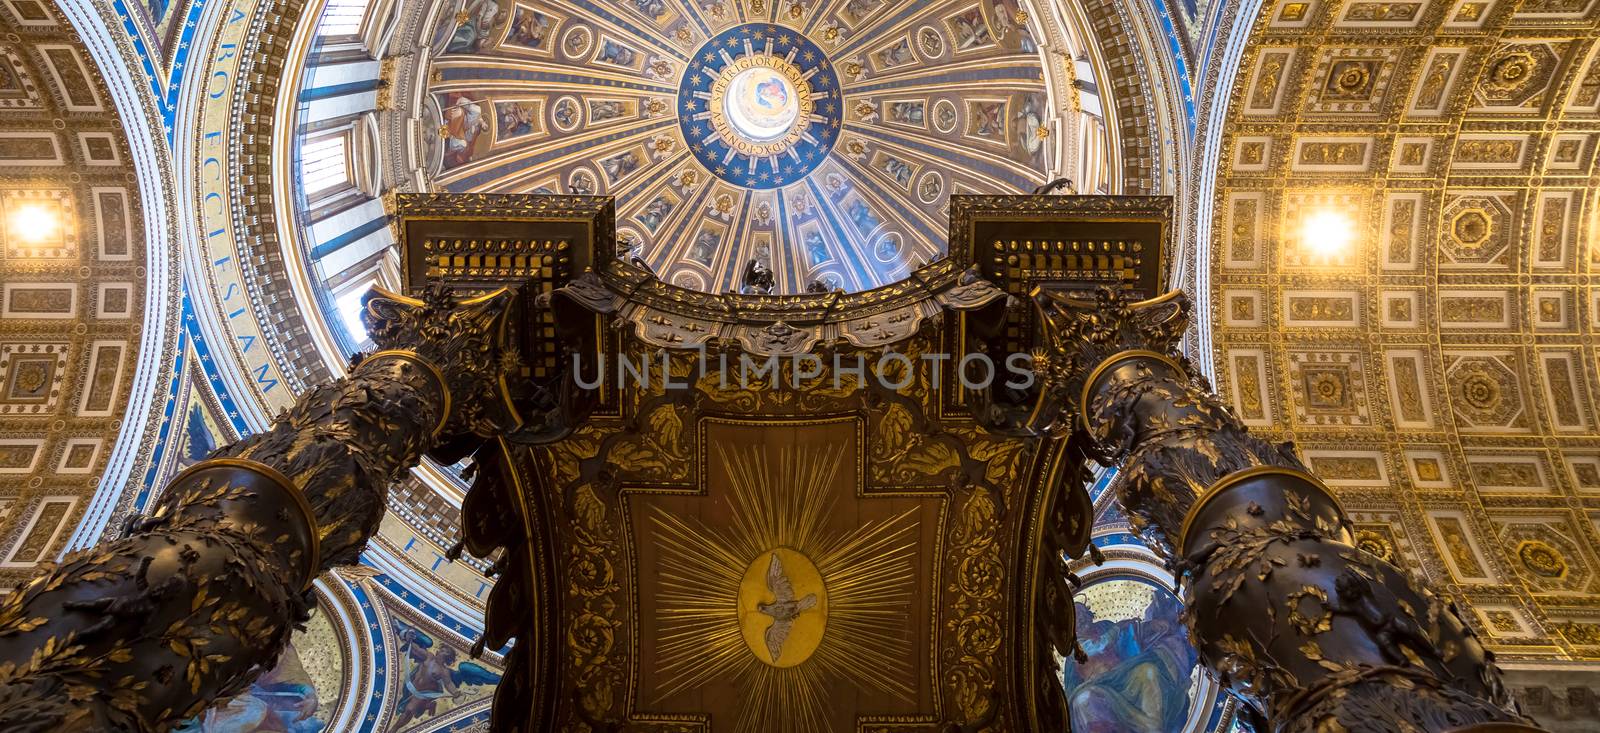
[(1401, 264), (894, 108), (72, 274)]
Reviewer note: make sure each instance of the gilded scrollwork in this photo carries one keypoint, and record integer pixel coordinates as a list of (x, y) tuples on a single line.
[(593, 626), (974, 627), (660, 450), (565, 457), (905, 455)]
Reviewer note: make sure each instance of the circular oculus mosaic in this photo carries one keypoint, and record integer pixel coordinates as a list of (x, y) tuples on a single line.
[(759, 106)]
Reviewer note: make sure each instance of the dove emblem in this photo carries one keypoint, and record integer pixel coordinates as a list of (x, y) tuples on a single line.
[(783, 607), (784, 610)]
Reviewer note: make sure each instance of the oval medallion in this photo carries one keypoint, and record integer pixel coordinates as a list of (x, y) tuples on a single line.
[(783, 607)]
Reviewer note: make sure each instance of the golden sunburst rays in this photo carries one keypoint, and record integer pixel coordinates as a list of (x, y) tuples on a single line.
[(844, 613)]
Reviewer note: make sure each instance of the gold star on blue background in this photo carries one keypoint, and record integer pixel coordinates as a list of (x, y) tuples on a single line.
[(704, 70)]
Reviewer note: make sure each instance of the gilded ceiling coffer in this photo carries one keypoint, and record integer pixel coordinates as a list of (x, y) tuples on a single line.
[(1313, 633), (199, 598)]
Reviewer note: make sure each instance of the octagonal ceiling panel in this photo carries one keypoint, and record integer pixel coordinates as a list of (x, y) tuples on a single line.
[(821, 139)]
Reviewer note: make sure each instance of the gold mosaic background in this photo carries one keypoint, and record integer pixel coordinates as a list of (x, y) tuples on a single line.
[(1440, 372), (71, 274)]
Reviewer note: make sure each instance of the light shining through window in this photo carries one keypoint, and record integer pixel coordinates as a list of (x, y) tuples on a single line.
[(324, 164), (342, 18), (349, 305)]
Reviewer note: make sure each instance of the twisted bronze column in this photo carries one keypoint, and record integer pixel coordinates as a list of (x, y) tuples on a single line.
[(199, 598), (1315, 634)]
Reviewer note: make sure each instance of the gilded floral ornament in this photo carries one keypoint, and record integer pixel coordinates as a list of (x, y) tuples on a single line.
[(976, 588), (1353, 78), (1318, 619), (1542, 559), (1471, 229), (1376, 545), (1480, 391), (1327, 388), (592, 628), (1510, 72)]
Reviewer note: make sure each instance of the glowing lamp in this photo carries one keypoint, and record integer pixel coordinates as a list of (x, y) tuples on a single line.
[(33, 224), (1328, 234)]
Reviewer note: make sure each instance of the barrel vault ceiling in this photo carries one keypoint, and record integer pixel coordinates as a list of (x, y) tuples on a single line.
[(72, 289), (1440, 369)]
